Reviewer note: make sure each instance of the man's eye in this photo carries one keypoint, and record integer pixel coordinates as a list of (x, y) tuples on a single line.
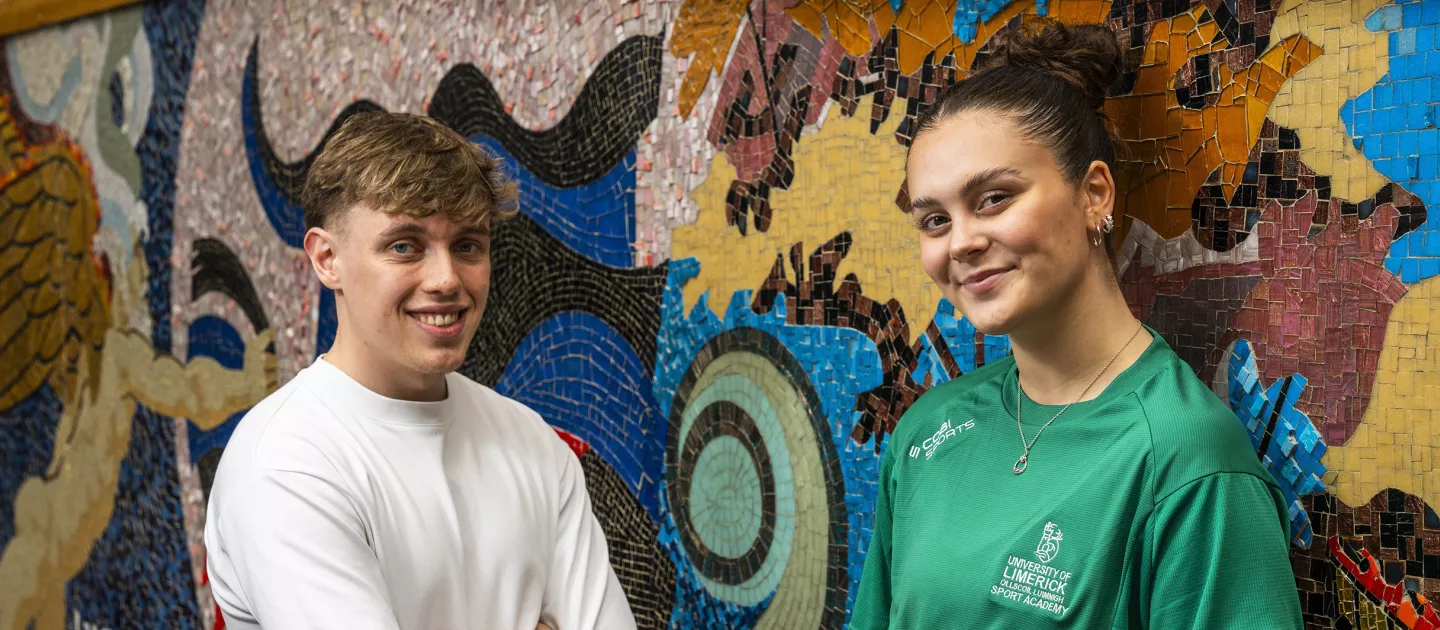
[(404, 249)]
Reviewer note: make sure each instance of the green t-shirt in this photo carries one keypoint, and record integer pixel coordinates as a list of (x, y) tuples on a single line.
[(1143, 508)]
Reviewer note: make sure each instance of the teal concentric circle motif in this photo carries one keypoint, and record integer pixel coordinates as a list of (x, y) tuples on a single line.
[(754, 483)]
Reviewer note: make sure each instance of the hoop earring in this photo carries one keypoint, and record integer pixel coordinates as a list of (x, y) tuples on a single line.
[(1109, 224), (1095, 240)]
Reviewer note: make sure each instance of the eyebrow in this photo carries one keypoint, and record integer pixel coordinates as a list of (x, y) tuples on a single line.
[(924, 204), (415, 229), (980, 179), (973, 182)]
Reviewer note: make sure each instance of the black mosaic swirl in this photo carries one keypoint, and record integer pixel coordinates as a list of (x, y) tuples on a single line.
[(288, 177), (646, 573), (613, 109), (215, 267), (536, 277), (618, 102)]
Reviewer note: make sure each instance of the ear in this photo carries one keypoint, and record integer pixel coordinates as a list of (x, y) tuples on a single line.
[(323, 249), (1097, 193)]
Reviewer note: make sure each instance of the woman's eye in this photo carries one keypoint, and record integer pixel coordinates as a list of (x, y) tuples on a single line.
[(933, 221), (994, 199)]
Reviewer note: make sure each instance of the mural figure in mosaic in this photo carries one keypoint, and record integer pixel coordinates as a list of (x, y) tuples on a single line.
[(70, 331)]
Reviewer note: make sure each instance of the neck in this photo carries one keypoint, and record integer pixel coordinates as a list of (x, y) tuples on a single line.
[(1060, 353), (381, 376)]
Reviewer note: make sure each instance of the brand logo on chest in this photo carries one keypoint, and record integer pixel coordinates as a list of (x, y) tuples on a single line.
[(943, 434)]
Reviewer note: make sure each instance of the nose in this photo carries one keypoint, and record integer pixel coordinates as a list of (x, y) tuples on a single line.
[(966, 238), (441, 274)]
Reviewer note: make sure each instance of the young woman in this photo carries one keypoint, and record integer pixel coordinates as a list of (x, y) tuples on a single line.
[(1091, 481)]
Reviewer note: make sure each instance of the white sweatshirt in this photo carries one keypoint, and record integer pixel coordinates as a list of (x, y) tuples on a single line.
[(335, 507)]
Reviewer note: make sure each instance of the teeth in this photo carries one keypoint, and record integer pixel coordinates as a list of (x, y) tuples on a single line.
[(437, 319)]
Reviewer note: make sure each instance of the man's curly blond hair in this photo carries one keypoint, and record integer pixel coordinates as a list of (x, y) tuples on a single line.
[(405, 164)]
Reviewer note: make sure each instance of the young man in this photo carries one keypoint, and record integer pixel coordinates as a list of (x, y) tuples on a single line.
[(378, 489)]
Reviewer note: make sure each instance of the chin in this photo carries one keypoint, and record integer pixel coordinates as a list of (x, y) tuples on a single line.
[(990, 328), (438, 363), (987, 318)]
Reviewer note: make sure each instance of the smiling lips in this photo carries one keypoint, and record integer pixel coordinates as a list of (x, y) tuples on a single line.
[(984, 280), (441, 324)]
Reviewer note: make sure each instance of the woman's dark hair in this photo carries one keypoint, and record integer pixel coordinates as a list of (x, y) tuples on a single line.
[(1051, 80)]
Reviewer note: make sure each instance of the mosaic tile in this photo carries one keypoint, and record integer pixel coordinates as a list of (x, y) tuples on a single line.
[(1170, 164), (1353, 58), (536, 277), (705, 30), (801, 382), (1314, 257), (565, 180), (1393, 124), (1285, 440), (645, 572), (582, 376), (1373, 565), (1395, 444)]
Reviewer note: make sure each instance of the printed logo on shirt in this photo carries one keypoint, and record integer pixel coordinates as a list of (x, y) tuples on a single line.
[(944, 433), (1049, 543), (1033, 583)]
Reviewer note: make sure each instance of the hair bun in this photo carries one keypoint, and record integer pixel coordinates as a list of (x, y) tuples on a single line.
[(1086, 56)]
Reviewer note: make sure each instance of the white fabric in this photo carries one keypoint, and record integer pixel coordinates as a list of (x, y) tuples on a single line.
[(335, 507)]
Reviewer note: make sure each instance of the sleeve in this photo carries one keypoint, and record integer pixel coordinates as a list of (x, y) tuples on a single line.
[(582, 592), (1220, 553), (295, 555), (872, 604)]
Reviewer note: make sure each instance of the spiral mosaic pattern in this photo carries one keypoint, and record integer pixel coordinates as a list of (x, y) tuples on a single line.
[(754, 483)]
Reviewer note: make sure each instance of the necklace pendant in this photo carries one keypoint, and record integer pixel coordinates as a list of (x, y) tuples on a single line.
[(1021, 464)]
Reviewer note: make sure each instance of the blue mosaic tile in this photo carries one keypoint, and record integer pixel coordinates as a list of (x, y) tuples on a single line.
[(214, 337), (138, 573), (581, 376), (171, 27), (1394, 122), (596, 219), (1285, 439), (27, 438), (958, 333), (969, 14)]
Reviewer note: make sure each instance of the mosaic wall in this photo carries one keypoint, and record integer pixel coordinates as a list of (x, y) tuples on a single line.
[(710, 291)]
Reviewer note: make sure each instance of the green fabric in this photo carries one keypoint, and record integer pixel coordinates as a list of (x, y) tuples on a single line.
[(1158, 512)]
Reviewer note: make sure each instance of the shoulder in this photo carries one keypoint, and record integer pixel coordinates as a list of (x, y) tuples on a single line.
[(510, 422), (285, 429), (493, 407), (1193, 433), (291, 434), (934, 406)]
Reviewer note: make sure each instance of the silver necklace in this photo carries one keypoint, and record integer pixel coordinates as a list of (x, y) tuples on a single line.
[(1024, 461)]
